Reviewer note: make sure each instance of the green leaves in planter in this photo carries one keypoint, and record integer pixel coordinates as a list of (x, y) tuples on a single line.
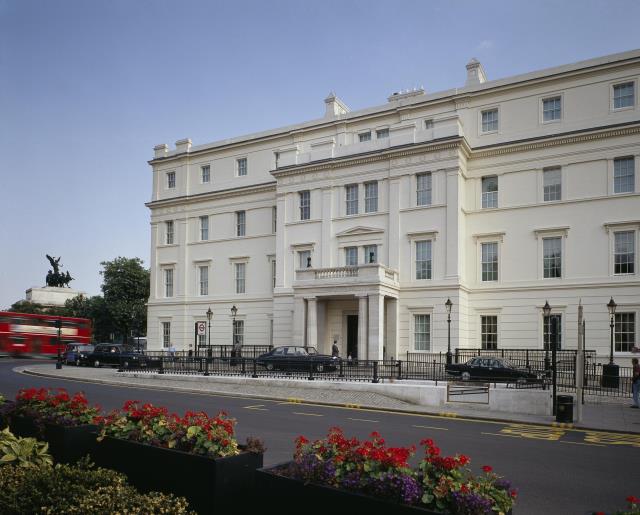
[(76, 489), (23, 452)]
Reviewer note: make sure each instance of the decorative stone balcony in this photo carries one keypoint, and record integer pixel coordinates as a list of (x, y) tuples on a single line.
[(361, 274)]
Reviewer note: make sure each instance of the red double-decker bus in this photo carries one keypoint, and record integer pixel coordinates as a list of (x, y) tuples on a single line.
[(37, 335)]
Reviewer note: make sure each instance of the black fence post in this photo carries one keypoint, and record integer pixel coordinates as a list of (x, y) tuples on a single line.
[(399, 369), (255, 368), (457, 355), (434, 370), (206, 366), (161, 365), (120, 367), (375, 372), (242, 360), (341, 374), (311, 378)]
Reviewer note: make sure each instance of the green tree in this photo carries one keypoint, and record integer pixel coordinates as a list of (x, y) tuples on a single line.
[(24, 306), (125, 287), (94, 308)]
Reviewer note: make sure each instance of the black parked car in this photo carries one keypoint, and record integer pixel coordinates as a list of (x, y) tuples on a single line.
[(297, 358), (490, 369), (77, 354), (115, 354)]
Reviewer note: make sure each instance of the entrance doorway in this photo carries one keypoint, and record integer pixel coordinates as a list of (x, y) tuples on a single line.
[(352, 336)]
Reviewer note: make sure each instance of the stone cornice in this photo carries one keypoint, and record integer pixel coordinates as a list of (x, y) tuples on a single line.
[(213, 195), (457, 142), (559, 139)]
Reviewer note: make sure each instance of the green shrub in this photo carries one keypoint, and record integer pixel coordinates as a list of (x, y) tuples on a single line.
[(78, 489), (23, 452)]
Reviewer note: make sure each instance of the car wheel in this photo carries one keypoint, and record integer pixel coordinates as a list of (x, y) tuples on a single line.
[(96, 363), (465, 376), (269, 367), (319, 367)]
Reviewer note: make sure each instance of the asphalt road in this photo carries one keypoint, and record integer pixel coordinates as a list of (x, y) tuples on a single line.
[(557, 471)]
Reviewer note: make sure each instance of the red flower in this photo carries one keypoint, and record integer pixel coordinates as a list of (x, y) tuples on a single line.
[(633, 500), (487, 468)]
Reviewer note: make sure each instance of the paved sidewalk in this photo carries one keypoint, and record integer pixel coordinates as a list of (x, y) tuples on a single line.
[(610, 414)]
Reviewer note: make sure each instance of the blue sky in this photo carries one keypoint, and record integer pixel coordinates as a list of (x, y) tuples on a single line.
[(88, 87)]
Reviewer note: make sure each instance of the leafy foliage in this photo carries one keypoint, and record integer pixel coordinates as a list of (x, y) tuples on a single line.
[(22, 452), (78, 489), (126, 287)]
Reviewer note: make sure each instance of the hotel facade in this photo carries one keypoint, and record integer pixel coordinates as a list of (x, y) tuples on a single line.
[(358, 226)]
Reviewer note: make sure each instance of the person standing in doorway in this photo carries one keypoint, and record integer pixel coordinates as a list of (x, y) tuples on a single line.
[(335, 351), (635, 385)]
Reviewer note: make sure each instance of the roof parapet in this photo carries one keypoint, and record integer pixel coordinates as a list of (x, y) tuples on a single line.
[(475, 73)]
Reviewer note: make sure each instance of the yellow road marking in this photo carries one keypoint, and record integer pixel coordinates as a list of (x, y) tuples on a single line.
[(363, 420), (601, 437), (582, 443), (352, 406), (448, 414), (500, 434), (431, 427), (308, 414), (535, 432)]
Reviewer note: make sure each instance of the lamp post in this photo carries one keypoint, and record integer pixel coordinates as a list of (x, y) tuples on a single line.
[(553, 334), (546, 312), (234, 312), (209, 317), (59, 327), (611, 371), (449, 305)]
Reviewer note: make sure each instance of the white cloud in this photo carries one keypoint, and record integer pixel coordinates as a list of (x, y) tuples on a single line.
[(485, 44)]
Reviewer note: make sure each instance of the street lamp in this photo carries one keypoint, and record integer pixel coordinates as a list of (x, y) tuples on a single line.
[(209, 317), (449, 305), (611, 371), (612, 313), (59, 327), (546, 312), (234, 312)]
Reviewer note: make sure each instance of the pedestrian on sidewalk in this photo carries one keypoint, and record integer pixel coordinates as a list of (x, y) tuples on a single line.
[(335, 351), (635, 385)]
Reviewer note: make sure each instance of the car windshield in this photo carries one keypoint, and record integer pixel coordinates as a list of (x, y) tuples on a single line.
[(311, 350), (127, 348)]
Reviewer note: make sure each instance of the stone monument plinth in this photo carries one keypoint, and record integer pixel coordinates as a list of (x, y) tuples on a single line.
[(51, 296)]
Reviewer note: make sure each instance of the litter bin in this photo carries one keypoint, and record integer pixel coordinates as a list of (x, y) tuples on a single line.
[(564, 408)]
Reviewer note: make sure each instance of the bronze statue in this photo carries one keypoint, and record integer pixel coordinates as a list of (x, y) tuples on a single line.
[(57, 278)]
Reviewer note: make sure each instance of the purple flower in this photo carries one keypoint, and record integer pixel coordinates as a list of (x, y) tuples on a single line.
[(502, 484), (471, 503), (401, 488)]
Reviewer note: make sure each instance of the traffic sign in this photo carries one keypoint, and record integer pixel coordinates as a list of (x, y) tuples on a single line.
[(202, 328)]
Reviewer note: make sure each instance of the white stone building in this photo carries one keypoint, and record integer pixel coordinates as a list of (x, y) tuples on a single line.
[(358, 226)]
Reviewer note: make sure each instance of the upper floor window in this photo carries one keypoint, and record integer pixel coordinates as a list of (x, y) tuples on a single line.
[(382, 133), (489, 261), (423, 259), (240, 277), (371, 197), (274, 219), (490, 191), (364, 136), (169, 232), (428, 124), (352, 199), (241, 223), (204, 228), (552, 184), (305, 205), (623, 95), (351, 256), (489, 332), (624, 175), (241, 166), (205, 172), (370, 253), (273, 273), (238, 332), (423, 190), (166, 334), (624, 252), (204, 280), (171, 180), (168, 282), (552, 257), (551, 109), (625, 331), (304, 259), (490, 120)]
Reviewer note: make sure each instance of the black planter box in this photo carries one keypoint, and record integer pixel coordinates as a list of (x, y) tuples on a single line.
[(210, 485), (285, 495), (67, 444)]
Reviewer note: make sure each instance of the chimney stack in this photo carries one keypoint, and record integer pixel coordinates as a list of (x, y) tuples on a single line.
[(160, 150), (334, 106), (183, 145), (475, 73)]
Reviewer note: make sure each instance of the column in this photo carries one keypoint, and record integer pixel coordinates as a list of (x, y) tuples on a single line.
[(312, 322), (298, 321), (392, 328), (376, 326), (325, 257), (362, 326), (453, 257)]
